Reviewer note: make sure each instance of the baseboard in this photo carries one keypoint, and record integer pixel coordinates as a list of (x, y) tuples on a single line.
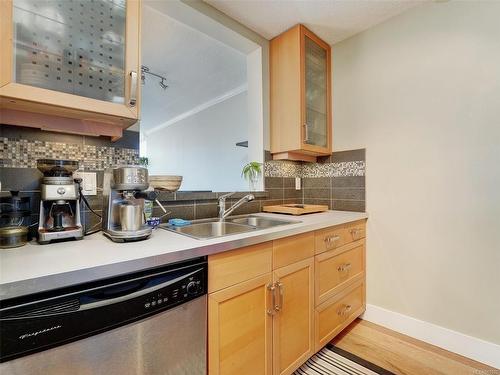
[(467, 346)]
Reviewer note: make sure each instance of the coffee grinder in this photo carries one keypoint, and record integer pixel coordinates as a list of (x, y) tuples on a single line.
[(60, 202)]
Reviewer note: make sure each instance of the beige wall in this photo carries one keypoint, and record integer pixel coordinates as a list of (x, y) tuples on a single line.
[(422, 93)]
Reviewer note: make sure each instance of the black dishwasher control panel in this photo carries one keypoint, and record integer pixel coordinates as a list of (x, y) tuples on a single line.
[(181, 291)]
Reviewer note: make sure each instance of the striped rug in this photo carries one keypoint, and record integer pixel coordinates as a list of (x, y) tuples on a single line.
[(334, 361)]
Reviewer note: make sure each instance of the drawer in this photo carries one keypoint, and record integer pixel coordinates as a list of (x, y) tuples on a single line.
[(337, 313), (356, 231), (335, 269), (233, 267), (292, 249), (335, 237)]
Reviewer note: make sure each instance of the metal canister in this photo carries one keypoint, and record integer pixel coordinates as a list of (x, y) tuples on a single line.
[(13, 237), (130, 178), (131, 217)]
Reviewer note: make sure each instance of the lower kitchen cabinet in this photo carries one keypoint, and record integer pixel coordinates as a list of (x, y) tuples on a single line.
[(273, 305), (293, 322), (240, 328)]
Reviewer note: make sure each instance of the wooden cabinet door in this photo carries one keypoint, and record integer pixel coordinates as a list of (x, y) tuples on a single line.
[(293, 326), (91, 73), (240, 328)]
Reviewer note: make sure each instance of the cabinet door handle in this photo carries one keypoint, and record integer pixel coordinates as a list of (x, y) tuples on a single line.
[(280, 287), (133, 89), (306, 133), (344, 267), (272, 289)]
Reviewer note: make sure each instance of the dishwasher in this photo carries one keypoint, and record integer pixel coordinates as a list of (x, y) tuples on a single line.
[(149, 322)]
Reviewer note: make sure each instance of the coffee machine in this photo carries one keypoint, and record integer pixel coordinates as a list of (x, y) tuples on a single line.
[(60, 202), (124, 192)]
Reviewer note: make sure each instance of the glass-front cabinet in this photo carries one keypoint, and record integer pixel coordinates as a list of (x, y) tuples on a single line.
[(300, 69), (81, 56), (316, 94)]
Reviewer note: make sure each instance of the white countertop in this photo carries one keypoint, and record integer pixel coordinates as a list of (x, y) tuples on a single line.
[(35, 268)]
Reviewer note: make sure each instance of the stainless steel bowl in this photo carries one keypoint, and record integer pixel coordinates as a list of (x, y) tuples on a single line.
[(130, 178)]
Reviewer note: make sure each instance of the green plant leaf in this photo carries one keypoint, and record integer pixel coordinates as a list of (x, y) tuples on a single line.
[(251, 170)]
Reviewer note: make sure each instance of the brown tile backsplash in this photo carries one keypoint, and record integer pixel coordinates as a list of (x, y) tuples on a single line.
[(292, 194), (317, 183), (347, 205), (337, 180), (357, 194)]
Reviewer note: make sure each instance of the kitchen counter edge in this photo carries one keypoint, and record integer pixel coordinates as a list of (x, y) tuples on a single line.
[(60, 280)]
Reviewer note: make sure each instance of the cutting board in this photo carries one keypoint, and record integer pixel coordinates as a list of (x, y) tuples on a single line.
[(295, 209)]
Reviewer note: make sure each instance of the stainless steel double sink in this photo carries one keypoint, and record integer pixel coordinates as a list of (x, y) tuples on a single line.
[(213, 228)]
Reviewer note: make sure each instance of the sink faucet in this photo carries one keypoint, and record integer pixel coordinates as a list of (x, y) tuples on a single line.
[(223, 213)]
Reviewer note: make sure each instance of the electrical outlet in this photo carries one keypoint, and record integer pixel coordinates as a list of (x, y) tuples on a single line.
[(89, 182), (297, 183)]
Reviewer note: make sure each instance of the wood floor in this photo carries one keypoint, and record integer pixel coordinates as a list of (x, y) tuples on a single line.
[(404, 355)]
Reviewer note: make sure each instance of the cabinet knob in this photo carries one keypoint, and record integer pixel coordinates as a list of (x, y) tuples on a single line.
[(306, 133)]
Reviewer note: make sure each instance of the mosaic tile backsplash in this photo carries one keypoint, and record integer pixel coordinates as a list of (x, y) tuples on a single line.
[(337, 165), (23, 153), (297, 169)]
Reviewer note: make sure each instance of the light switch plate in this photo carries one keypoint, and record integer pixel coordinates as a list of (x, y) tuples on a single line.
[(89, 182)]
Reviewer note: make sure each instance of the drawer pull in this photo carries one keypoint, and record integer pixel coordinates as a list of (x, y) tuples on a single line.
[(355, 232), (346, 309), (346, 267), (330, 240), (272, 289)]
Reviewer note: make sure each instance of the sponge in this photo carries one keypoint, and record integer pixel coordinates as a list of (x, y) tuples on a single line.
[(179, 222)]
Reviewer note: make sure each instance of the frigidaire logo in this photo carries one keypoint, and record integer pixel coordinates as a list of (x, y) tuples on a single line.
[(34, 334)]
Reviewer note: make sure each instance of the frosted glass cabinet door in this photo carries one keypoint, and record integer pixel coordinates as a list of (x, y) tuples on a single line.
[(71, 46), (316, 94)]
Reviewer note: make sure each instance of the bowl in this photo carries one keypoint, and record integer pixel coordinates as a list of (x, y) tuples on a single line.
[(169, 183)]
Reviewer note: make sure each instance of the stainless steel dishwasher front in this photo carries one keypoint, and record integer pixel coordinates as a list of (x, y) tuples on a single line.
[(170, 341)]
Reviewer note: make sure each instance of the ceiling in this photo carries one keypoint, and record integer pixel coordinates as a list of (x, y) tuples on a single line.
[(331, 20), (199, 69)]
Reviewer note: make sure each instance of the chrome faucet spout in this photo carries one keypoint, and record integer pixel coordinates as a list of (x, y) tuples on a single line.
[(223, 213)]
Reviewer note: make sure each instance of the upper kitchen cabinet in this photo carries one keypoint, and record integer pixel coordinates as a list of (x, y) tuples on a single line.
[(70, 65), (301, 115)]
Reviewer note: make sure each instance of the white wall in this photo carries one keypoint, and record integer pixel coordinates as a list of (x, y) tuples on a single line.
[(422, 93), (202, 147)]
